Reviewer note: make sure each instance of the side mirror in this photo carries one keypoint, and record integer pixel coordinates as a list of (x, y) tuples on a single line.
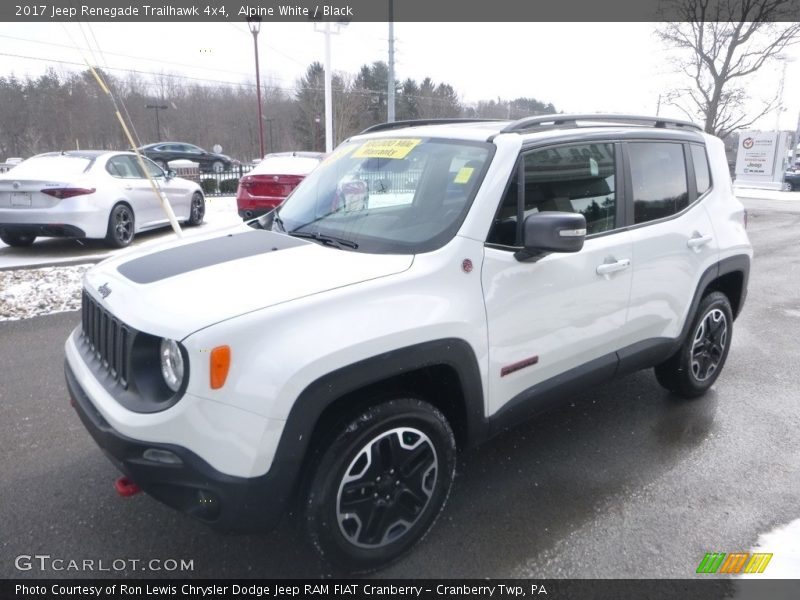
[(170, 174), (547, 232)]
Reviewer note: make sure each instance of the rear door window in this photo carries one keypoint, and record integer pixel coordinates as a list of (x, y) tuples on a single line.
[(658, 177)]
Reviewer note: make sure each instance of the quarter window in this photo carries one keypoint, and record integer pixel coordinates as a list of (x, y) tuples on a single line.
[(658, 176), (701, 170), (578, 178)]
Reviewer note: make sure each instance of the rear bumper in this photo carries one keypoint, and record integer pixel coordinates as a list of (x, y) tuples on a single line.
[(43, 229), (225, 502), (251, 207), (66, 219)]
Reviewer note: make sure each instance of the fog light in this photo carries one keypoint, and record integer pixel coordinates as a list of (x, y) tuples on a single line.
[(162, 456)]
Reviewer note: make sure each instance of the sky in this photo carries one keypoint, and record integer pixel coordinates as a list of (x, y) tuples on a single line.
[(579, 67)]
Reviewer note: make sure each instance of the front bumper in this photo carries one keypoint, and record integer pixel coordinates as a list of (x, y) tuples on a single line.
[(194, 487), (244, 497)]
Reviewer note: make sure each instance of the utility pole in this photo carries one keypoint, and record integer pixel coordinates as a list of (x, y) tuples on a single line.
[(157, 108), (391, 62), (328, 86), (255, 27)]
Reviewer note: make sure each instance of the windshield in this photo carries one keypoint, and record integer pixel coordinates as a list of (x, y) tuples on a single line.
[(401, 195)]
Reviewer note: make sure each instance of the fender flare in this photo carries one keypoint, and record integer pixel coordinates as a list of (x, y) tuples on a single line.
[(305, 413)]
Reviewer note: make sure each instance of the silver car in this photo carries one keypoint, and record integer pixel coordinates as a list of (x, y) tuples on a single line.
[(90, 194)]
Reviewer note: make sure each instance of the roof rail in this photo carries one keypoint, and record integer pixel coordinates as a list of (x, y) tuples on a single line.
[(558, 121), (420, 122)]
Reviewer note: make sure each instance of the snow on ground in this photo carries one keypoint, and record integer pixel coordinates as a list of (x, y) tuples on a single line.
[(784, 544), (26, 293)]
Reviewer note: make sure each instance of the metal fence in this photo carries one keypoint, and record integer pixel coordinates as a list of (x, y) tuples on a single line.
[(223, 183)]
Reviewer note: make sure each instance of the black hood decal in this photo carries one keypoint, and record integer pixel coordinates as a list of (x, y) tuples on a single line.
[(182, 259)]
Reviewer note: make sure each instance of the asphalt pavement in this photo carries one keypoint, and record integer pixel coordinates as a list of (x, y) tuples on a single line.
[(622, 481), (45, 252)]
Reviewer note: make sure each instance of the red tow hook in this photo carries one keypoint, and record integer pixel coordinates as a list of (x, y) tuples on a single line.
[(125, 487)]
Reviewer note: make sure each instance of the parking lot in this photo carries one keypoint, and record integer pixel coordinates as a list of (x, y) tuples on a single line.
[(624, 481)]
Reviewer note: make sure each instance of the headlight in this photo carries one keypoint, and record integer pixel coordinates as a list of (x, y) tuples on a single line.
[(171, 364)]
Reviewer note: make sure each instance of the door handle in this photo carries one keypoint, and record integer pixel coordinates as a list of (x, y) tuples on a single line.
[(607, 268), (697, 241), (128, 187)]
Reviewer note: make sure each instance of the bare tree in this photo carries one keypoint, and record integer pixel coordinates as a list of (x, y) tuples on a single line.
[(725, 41)]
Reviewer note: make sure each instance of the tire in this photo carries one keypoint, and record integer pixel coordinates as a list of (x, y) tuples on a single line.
[(120, 226), (17, 240), (787, 186), (694, 368), (401, 455), (218, 166), (197, 210)]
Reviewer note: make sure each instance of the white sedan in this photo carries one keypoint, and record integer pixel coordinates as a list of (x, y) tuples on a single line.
[(90, 194)]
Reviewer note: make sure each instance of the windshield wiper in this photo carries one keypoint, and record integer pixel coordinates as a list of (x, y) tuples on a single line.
[(325, 239)]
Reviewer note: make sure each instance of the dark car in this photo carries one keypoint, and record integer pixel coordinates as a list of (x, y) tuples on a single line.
[(274, 178), (791, 181), (163, 152)]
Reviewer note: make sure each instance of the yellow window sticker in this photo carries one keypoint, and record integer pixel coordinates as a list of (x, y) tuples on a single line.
[(386, 148), (463, 175)]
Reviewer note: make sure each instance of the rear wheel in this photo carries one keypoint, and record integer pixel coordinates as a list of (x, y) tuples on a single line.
[(694, 368), (197, 210), (17, 240), (380, 484), (120, 226)]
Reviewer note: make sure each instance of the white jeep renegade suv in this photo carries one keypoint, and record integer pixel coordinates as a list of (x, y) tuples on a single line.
[(429, 285)]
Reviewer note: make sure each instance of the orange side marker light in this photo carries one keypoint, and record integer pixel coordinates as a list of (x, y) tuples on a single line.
[(220, 363)]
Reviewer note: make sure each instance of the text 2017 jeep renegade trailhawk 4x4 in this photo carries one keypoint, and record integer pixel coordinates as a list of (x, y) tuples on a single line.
[(427, 286)]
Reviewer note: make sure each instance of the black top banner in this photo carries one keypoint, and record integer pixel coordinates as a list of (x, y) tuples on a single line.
[(397, 10)]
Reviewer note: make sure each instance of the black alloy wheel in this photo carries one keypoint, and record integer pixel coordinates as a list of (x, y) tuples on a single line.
[(382, 478), (120, 226), (197, 210), (694, 368)]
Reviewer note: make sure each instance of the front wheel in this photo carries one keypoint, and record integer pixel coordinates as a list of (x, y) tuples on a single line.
[(120, 226), (197, 210), (787, 186), (694, 368), (380, 484)]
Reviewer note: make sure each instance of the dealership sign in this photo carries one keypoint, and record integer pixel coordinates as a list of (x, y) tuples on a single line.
[(757, 152)]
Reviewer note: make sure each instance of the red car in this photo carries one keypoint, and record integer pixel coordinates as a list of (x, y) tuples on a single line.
[(271, 180)]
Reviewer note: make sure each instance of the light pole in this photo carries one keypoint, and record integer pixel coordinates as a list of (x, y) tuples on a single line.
[(328, 89), (255, 26), (157, 108)]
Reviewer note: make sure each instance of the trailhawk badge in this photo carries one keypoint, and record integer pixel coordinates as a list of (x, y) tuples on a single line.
[(104, 290)]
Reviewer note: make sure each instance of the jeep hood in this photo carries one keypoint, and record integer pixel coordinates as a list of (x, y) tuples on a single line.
[(176, 290)]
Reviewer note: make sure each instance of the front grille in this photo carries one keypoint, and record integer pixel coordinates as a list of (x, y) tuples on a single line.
[(109, 339)]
